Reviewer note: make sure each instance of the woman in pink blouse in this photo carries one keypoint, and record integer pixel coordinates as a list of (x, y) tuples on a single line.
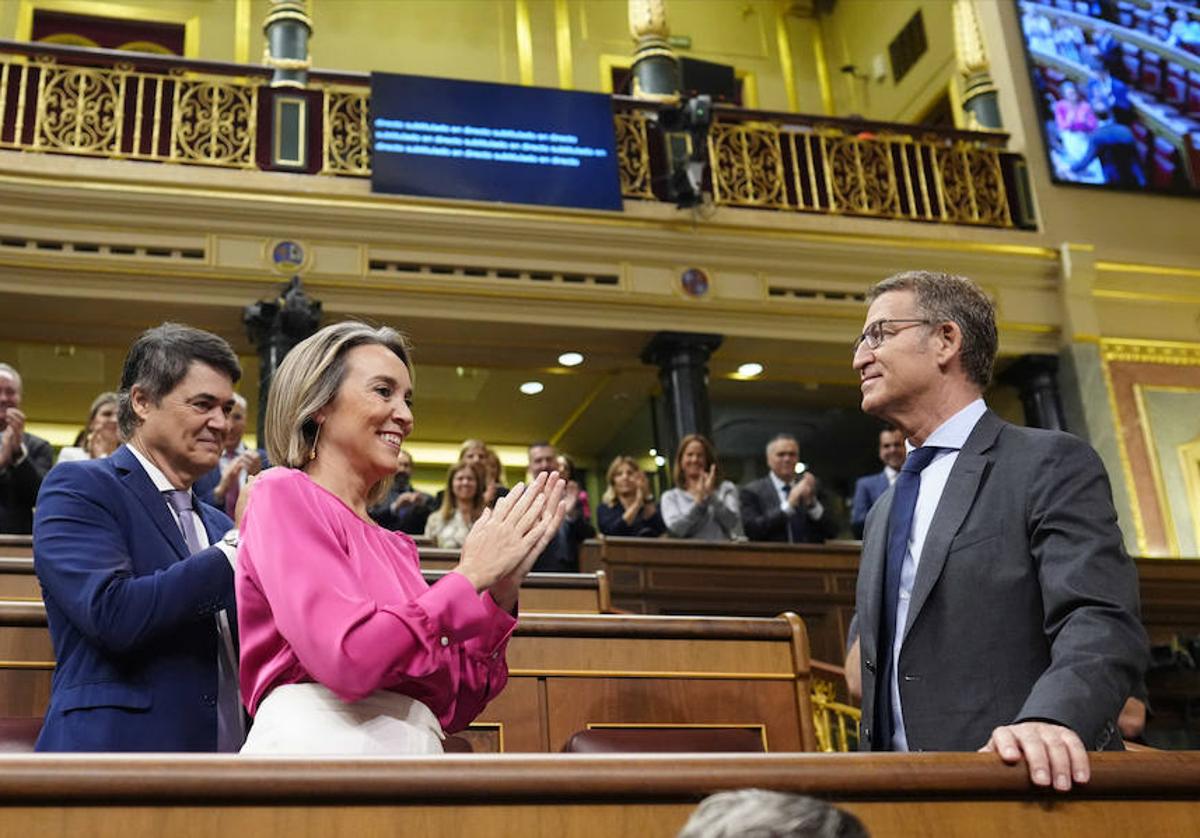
[(344, 648)]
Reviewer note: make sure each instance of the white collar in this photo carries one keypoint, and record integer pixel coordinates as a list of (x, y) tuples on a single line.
[(954, 431), (155, 474)]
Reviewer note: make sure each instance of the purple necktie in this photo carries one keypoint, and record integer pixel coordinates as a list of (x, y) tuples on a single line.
[(231, 724)]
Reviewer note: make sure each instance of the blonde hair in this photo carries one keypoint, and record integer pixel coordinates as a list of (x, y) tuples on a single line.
[(610, 494), (450, 503), (308, 380)]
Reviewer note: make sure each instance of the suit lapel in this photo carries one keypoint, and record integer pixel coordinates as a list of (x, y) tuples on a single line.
[(870, 570), (957, 499), (135, 479)]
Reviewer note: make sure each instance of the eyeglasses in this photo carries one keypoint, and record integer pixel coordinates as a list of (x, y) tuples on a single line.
[(878, 331)]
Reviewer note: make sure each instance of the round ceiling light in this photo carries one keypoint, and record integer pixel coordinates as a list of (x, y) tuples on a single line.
[(750, 370), (570, 359), (532, 388)]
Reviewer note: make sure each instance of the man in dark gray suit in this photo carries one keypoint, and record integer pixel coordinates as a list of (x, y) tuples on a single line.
[(782, 506), (997, 608), (24, 458)]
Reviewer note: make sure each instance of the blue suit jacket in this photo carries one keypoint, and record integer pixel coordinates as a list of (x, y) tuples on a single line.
[(130, 612), (866, 491)]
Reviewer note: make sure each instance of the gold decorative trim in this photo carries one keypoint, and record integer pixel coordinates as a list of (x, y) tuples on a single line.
[(562, 45), (1141, 268), (1160, 488), (27, 665), (1189, 462), (497, 726), (1174, 353), (624, 673), (1146, 296), (1135, 507), (758, 726), (524, 42), (301, 103)]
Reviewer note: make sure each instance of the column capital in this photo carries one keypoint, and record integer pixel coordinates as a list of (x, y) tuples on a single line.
[(666, 346), (648, 19)]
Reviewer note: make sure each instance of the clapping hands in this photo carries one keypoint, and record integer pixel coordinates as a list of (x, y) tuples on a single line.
[(506, 540)]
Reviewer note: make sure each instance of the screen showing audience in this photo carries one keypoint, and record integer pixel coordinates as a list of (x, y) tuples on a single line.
[(1117, 84), (477, 141)]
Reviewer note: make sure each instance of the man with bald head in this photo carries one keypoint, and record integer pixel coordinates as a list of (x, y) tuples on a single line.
[(24, 458)]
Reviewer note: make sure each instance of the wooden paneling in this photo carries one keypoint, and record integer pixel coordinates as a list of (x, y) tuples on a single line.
[(131, 796), (568, 669)]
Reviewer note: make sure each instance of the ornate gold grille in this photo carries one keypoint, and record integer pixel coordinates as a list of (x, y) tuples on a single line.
[(121, 112), (836, 723), (347, 141), (633, 154), (813, 168)]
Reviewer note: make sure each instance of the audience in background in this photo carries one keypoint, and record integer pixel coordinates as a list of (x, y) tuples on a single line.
[(222, 486), (769, 814), (100, 437), (462, 504), (868, 489), (404, 509), (24, 458), (627, 508), (561, 555), (784, 506), (702, 505), (476, 452), (566, 469)]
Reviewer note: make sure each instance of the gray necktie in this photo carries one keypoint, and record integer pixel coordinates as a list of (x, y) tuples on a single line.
[(231, 724)]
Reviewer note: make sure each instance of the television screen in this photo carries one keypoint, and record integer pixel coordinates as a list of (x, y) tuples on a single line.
[(493, 142), (1117, 84)]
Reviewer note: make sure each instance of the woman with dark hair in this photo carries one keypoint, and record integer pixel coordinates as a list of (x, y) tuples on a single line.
[(344, 647), (462, 504), (101, 436), (702, 506), (627, 507)]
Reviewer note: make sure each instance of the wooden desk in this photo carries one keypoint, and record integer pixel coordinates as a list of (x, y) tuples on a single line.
[(17, 580), (754, 579), (16, 546), (575, 796), (568, 672)]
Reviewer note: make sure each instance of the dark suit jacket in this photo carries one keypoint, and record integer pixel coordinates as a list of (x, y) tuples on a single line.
[(867, 490), (1024, 606), (131, 613), (764, 520), (19, 485)]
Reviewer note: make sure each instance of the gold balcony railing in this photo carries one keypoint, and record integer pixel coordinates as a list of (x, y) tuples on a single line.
[(103, 103), (836, 723)]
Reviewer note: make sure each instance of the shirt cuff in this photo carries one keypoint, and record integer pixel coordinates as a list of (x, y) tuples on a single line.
[(230, 553), (816, 510)]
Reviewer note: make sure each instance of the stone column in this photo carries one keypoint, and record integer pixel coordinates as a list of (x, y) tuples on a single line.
[(288, 28), (1036, 379), (655, 69), (978, 91), (682, 361)]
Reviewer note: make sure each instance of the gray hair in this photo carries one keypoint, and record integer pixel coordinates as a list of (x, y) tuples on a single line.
[(160, 358), (240, 400), (308, 379), (8, 369), (945, 297), (756, 813)]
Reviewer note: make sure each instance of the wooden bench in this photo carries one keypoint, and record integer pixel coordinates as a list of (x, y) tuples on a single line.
[(548, 796), (16, 546), (569, 672), (582, 593)]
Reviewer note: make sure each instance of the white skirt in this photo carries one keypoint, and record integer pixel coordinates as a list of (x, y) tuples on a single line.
[(310, 719)]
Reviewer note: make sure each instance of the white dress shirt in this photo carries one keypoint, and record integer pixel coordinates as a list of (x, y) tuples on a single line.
[(952, 435)]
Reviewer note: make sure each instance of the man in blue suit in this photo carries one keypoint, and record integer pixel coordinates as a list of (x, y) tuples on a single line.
[(868, 489), (140, 604)]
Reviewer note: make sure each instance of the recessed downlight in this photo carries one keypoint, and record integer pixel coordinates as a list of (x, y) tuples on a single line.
[(532, 388), (750, 370), (570, 359)]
